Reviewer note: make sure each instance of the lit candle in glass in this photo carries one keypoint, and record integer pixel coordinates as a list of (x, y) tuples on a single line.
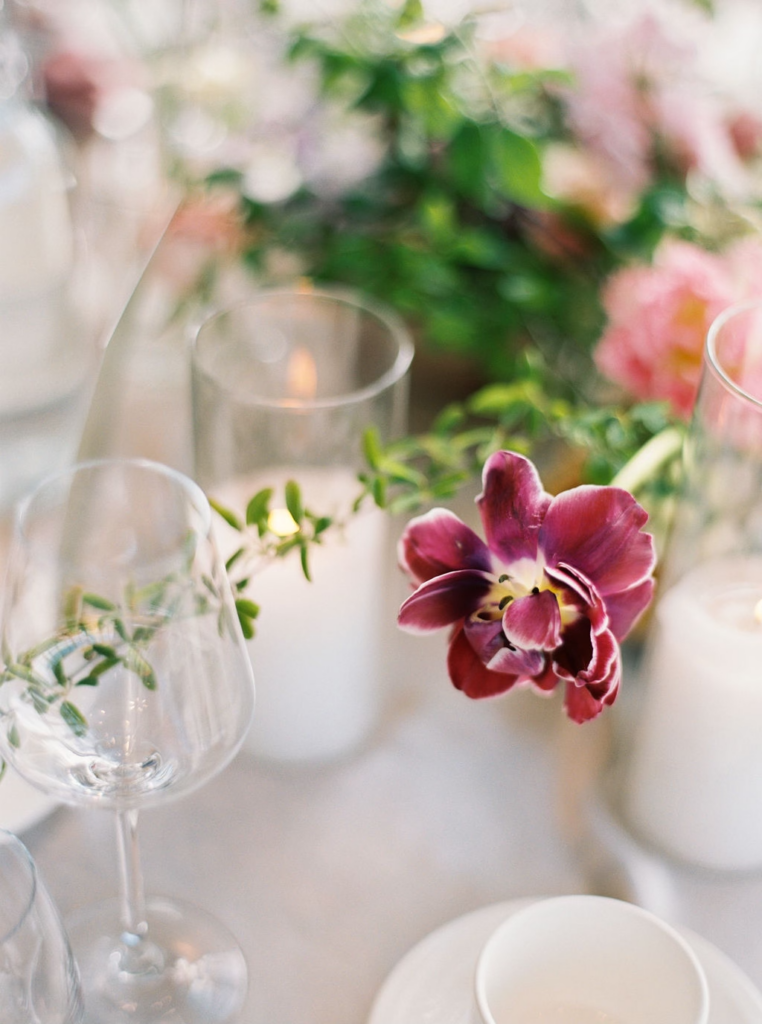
[(284, 387)]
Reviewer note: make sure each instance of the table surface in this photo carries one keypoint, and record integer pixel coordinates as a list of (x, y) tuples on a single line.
[(329, 874)]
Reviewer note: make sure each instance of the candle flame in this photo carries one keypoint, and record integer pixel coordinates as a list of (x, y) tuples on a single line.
[(758, 612), (281, 522), (301, 374)]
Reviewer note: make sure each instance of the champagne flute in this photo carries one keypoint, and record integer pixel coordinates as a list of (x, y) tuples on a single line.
[(39, 982), (126, 682)]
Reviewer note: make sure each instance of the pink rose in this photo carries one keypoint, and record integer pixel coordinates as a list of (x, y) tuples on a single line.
[(659, 315)]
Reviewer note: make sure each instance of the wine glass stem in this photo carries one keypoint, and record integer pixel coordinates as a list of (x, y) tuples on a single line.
[(131, 876)]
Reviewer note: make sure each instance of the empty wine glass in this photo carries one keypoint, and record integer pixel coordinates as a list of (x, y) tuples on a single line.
[(126, 682), (39, 983)]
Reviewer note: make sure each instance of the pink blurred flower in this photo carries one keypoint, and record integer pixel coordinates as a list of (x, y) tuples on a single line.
[(658, 317), (546, 600), (207, 228), (616, 69), (639, 91), (583, 179), (525, 47)]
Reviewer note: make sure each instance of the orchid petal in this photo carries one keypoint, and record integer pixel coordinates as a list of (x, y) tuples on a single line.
[(524, 663), (444, 600), (486, 637), (580, 593), (625, 608), (470, 675), (585, 702), (512, 505), (598, 531), (547, 680), (580, 705), (534, 621), (439, 542), (601, 650), (576, 652)]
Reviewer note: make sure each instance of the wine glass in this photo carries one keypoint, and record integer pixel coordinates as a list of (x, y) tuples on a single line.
[(39, 982), (126, 682)]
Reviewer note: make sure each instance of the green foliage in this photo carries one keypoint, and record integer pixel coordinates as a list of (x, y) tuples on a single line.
[(77, 654)]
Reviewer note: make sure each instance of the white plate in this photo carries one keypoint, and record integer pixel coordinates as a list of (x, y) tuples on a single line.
[(432, 984), (21, 805)]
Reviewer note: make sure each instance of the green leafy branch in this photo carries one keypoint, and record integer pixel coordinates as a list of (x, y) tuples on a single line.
[(98, 635), (635, 447), (262, 540)]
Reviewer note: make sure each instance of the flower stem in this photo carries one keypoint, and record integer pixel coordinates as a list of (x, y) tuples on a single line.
[(655, 453)]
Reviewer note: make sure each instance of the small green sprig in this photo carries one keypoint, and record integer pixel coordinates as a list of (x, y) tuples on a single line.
[(262, 541), (97, 635)]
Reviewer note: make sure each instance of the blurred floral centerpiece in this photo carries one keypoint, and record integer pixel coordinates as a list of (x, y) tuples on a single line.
[(560, 204)]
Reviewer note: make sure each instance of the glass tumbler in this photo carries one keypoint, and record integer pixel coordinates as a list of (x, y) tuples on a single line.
[(39, 981), (284, 387)]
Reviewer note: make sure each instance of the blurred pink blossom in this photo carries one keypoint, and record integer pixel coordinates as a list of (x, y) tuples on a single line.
[(207, 228), (583, 179), (658, 317), (526, 47), (638, 93)]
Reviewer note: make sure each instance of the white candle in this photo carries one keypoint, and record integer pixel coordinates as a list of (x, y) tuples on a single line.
[(694, 784), (316, 654)]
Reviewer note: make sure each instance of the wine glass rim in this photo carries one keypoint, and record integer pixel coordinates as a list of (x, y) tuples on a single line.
[(10, 839), (195, 493), (380, 312), (712, 356)]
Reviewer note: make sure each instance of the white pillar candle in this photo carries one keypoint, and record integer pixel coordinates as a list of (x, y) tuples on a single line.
[(316, 654), (694, 780)]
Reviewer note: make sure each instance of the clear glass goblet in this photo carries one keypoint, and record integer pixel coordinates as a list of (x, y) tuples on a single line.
[(39, 983), (126, 682)]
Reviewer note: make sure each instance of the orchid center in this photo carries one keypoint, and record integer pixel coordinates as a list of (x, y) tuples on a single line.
[(521, 579)]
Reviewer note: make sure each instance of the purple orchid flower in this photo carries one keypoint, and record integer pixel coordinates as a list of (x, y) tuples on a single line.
[(558, 583)]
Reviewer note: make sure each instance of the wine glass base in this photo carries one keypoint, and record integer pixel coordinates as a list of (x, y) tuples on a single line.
[(194, 972)]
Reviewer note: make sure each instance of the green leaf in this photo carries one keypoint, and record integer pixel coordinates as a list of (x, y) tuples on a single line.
[(102, 603), (410, 14), (22, 672), (72, 605), (246, 607), (517, 168), (294, 501), (304, 558), (58, 672), (73, 718), (401, 473), (136, 663), (233, 559), (13, 736), (379, 492), (230, 517), (105, 650), (448, 419), (246, 627), (321, 525), (371, 447), (103, 666), (259, 506), (466, 160)]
